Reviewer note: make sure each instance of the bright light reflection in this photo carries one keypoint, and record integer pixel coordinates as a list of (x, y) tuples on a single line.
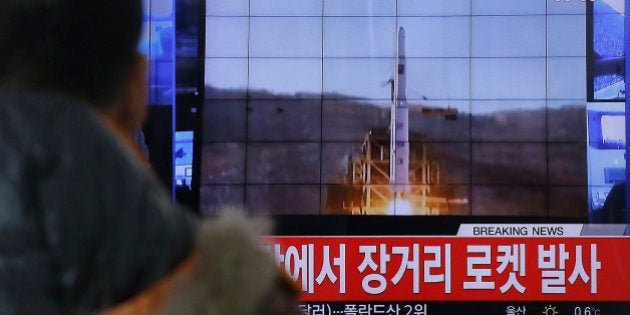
[(400, 206)]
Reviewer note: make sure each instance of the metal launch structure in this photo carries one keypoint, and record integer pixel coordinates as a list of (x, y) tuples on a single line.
[(394, 174)]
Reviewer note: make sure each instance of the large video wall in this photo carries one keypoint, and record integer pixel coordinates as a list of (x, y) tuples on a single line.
[(299, 93)]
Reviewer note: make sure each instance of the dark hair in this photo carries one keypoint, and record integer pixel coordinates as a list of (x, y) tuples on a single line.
[(80, 47)]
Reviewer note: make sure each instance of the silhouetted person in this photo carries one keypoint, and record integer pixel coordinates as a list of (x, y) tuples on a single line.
[(84, 224), (614, 209)]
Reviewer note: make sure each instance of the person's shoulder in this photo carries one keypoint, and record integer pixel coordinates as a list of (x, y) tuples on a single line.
[(43, 113), (37, 126), (51, 130)]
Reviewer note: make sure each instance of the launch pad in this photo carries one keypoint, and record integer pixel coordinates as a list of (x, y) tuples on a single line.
[(369, 176), (394, 175)]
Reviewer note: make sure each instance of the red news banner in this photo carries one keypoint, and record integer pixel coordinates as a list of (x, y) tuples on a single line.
[(456, 268)]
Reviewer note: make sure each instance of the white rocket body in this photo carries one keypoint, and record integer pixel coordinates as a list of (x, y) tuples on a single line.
[(399, 124)]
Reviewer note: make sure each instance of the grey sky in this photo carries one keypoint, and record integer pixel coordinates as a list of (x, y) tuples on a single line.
[(457, 49)]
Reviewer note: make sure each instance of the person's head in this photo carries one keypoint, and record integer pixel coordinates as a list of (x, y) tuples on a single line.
[(83, 48)]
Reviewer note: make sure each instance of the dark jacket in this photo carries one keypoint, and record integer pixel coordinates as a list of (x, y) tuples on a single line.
[(83, 224), (614, 209)]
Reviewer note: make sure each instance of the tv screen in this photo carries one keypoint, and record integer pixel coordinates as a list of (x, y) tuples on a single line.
[(422, 157), (613, 127), (183, 154), (606, 51), (607, 130), (157, 44), (307, 111)]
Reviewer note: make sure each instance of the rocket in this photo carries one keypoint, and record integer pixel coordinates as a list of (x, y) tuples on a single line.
[(399, 123)]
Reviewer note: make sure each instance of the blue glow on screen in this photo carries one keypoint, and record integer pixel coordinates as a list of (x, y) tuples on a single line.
[(183, 157), (157, 43)]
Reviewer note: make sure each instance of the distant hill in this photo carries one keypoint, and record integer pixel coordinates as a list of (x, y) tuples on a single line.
[(507, 162)]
